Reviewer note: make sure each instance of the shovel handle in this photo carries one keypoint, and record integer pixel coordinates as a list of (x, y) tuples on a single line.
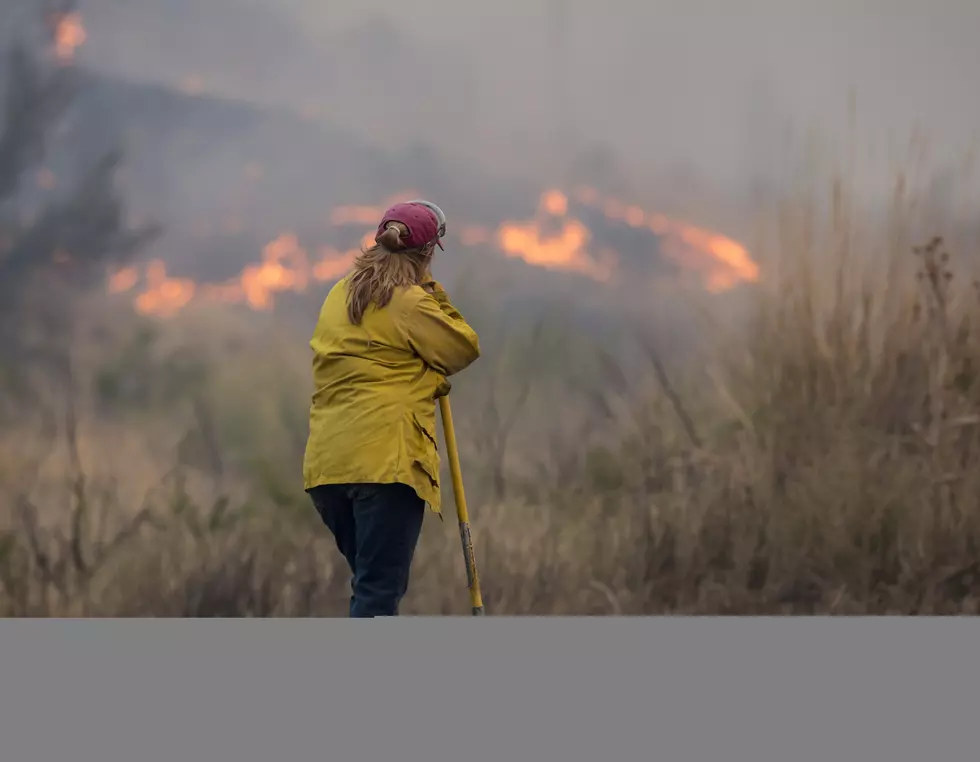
[(472, 577)]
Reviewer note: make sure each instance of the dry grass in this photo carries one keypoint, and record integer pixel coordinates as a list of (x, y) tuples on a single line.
[(820, 457)]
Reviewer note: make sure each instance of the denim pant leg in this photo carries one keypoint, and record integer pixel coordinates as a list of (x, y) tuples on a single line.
[(388, 521), (336, 509)]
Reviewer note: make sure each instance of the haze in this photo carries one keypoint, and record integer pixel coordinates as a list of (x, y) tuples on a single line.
[(694, 89), (711, 382)]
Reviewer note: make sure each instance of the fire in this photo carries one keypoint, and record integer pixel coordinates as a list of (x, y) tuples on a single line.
[(69, 35), (555, 202), (164, 296), (123, 280), (724, 261), (285, 267), (566, 249), (552, 239)]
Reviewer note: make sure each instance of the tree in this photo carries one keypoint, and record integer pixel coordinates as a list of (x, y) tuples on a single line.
[(54, 245)]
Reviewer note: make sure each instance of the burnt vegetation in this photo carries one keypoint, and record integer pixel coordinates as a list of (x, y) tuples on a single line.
[(818, 455)]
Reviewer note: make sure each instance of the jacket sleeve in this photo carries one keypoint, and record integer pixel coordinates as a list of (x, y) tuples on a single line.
[(438, 334)]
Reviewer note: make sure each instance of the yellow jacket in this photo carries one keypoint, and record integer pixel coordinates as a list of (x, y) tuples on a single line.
[(373, 416)]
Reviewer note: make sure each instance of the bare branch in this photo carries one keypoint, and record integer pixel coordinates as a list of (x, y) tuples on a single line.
[(675, 400)]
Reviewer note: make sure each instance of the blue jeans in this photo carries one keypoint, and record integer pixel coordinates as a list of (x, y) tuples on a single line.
[(377, 528)]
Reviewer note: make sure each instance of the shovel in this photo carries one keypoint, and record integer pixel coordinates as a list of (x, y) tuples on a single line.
[(472, 578)]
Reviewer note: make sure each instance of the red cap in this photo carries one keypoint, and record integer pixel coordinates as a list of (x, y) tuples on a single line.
[(422, 224)]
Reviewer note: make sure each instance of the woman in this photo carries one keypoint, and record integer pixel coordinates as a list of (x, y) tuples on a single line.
[(385, 342)]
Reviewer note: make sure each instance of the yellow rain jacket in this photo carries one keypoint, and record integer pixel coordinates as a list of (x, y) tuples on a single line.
[(373, 417)]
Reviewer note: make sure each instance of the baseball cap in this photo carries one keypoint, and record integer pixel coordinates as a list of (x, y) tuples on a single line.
[(422, 223), (440, 215)]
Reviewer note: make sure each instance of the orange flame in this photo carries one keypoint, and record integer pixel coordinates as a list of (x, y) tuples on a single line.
[(555, 202), (285, 267), (564, 250), (122, 280), (724, 261), (552, 239), (164, 296), (69, 35)]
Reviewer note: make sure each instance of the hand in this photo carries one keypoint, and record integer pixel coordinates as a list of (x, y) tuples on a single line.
[(428, 282)]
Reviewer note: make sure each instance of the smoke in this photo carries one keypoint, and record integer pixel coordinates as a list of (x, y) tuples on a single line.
[(272, 115), (657, 83)]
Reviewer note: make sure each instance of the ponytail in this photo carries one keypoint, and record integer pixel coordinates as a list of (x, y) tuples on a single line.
[(378, 271), (391, 238)]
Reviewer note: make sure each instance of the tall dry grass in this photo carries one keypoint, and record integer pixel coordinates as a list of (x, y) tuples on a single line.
[(818, 454)]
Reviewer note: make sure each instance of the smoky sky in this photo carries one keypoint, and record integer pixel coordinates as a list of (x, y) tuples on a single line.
[(667, 86)]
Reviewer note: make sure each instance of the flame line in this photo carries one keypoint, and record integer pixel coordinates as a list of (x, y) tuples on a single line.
[(551, 239)]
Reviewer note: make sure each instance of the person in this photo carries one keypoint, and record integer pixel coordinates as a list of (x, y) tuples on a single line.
[(386, 341)]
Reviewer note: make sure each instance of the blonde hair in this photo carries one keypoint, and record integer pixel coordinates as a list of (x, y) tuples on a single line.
[(379, 270)]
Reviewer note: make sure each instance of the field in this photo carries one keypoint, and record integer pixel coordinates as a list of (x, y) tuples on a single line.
[(807, 444), (659, 424)]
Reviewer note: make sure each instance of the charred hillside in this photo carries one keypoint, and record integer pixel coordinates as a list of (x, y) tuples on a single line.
[(190, 155), (226, 174), (258, 201)]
